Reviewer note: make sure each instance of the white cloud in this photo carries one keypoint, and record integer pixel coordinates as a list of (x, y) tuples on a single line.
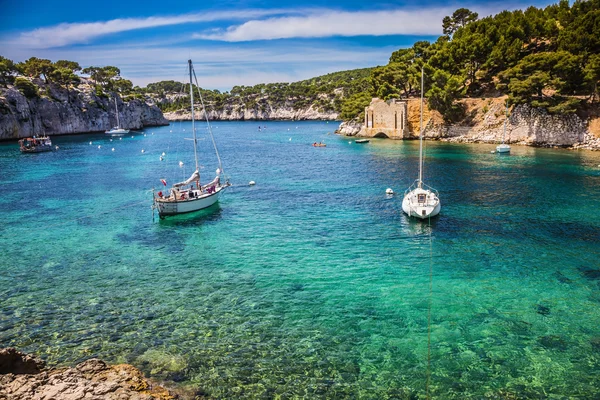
[(332, 23), (76, 33), (328, 23)]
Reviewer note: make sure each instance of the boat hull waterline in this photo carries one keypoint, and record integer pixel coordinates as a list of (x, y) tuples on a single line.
[(117, 132), (173, 207), (503, 148)]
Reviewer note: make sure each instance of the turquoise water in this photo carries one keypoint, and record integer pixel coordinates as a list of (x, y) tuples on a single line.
[(311, 284)]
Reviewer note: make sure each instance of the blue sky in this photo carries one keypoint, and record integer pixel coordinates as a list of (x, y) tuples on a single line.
[(231, 42)]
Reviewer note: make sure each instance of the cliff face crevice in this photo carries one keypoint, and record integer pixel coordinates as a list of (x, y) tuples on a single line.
[(61, 112)]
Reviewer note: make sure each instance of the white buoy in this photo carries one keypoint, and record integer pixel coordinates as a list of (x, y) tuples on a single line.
[(218, 171), (161, 158), (153, 133), (113, 149), (111, 140), (163, 154), (99, 146), (90, 143), (492, 152), (389, 191), (132, 137), (290, 139), (251, 183), (142, 150), (56, 147), (144, 135), (180, 164), (349, 142)]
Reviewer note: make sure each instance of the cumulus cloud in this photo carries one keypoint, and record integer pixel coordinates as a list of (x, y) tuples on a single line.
[(77, 33)]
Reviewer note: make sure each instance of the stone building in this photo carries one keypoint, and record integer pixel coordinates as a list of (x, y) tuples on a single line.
[(385, 119)]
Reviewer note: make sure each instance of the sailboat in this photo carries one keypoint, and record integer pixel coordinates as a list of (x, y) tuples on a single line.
[(420, 200), (504, 148), (190, 195), (117, 130)]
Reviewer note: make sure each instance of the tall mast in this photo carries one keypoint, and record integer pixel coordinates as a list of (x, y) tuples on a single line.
[(117, 112), (193, 125), (505, 120), (421, 135)]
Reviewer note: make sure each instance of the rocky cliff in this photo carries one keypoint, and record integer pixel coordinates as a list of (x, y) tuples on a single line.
[(23, 377), (235, 112), (58, 111), (525, 126)]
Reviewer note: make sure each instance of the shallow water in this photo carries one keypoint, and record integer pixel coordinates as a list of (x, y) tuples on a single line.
[(311, 283)]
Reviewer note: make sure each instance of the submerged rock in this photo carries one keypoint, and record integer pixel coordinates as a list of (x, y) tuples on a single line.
[(24, 377), (591, 274), (553, 342), (542, 309)]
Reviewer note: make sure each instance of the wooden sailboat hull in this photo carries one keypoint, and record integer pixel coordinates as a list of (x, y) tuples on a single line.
[(167, 207)]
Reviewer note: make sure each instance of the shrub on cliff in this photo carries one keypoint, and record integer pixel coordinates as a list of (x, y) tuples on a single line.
[(25, 86)]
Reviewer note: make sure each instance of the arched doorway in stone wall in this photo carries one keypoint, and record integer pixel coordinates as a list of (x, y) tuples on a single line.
[(381, 135)]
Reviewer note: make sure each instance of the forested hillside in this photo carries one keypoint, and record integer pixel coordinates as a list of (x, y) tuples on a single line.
[(548, 58), (326, 93)]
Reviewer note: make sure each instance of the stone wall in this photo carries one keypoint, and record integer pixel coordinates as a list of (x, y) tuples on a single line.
[(385, 119)]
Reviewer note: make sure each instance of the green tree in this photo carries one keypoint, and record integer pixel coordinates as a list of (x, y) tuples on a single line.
[(26, 87), (445, 90), (70, 65), (592, 75), (354, 106), (459, 18), (36, 67), (7, 70)]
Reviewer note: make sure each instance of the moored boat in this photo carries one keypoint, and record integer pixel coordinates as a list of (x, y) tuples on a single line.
[(420, 200), (35, 144), (190, 195), (117, 130)]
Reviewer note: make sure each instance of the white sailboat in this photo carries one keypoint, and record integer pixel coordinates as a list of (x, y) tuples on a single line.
[(190, 195), (117, 130), (504, 148), (420, 200)]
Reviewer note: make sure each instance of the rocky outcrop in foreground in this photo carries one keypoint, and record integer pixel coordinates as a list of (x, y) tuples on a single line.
[(58, 111), (23, 377)]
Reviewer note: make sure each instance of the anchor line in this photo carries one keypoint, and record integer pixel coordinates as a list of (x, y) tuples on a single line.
[(429, 311)]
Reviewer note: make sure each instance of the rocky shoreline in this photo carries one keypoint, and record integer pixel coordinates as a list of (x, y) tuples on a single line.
[(525, 126), (25, 377), (59, 111)]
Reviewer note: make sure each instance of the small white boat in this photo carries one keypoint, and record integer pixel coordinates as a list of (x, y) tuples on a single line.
[(503, 148), (190, 195), (361, 141), (117, 130), (421, 201)]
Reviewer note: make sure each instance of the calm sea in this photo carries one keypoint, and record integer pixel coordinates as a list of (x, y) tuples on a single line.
[(312, 283)]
